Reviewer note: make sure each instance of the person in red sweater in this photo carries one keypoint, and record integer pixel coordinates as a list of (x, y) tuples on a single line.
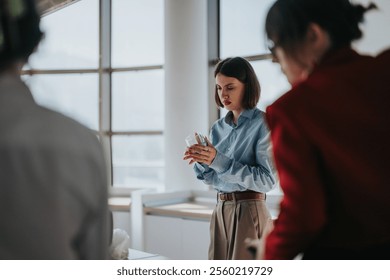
[(330, 133)]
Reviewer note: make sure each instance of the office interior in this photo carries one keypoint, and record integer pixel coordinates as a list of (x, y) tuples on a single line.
[(139, 74)]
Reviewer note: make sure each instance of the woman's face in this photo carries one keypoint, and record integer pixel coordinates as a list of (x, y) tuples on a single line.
[(309, 53), (295, 71), (230, 91)]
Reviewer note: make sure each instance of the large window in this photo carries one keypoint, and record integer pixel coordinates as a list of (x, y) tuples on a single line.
[(71, 38), (64, 70), (114, 88), (137, 93), (75, 95), (242, 27), (137, 101), (137, 33)]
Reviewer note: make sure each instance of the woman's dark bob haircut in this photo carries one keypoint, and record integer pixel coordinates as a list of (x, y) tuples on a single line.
[(288, 20), (242, 70)]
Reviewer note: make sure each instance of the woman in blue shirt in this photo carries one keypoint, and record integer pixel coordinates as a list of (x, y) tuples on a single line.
[(236, 162)]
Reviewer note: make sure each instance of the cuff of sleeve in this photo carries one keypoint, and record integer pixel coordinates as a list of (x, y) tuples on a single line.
[(201, 167), (220, 163)]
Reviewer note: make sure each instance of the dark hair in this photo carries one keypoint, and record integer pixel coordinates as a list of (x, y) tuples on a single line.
[(242, 70), (287, 21), (19, 30)]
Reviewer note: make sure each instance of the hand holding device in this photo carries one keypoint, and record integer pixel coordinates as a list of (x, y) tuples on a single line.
[(204, 152), (195, 139)]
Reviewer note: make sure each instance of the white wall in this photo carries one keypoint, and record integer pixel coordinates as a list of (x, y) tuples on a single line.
[(376, 28)]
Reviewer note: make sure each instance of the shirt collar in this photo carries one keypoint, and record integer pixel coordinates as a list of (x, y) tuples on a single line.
[(246, 114)]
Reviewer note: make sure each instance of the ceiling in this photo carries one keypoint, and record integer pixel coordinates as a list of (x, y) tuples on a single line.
[(48, 6)]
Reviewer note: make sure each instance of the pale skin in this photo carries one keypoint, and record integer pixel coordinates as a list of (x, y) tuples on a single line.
[(311, 50), (231, 93)]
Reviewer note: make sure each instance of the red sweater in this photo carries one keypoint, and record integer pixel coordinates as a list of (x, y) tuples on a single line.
[(331, 137)]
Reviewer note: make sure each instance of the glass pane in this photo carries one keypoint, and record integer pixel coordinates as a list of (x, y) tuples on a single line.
[(74, 95), (138, 100), (273, 82), (71, 38), (137, 32), (138, 161), (242, 27)]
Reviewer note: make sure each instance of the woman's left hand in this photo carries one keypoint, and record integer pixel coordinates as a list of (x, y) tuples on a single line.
[(201, 154)]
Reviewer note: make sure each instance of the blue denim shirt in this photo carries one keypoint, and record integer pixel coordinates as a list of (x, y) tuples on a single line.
[(243, 155)]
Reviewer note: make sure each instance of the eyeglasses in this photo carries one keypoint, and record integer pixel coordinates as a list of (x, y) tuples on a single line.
[(271, 47)]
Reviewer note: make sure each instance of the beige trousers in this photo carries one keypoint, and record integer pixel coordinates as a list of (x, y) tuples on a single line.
[(231, 223)]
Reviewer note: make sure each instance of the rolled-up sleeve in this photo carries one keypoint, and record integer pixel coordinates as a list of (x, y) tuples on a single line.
[(204, 173), (257, 178)]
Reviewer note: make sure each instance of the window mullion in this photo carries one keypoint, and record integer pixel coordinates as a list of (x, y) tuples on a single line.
[(105, 81)]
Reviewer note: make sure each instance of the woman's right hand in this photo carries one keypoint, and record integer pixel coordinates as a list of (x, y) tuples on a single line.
[(188, 155), (200, 153)]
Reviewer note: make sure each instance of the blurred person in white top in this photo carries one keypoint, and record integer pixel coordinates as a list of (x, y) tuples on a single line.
[(53, 186)]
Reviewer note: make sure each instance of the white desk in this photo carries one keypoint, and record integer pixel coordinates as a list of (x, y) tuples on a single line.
[(140, 255)]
